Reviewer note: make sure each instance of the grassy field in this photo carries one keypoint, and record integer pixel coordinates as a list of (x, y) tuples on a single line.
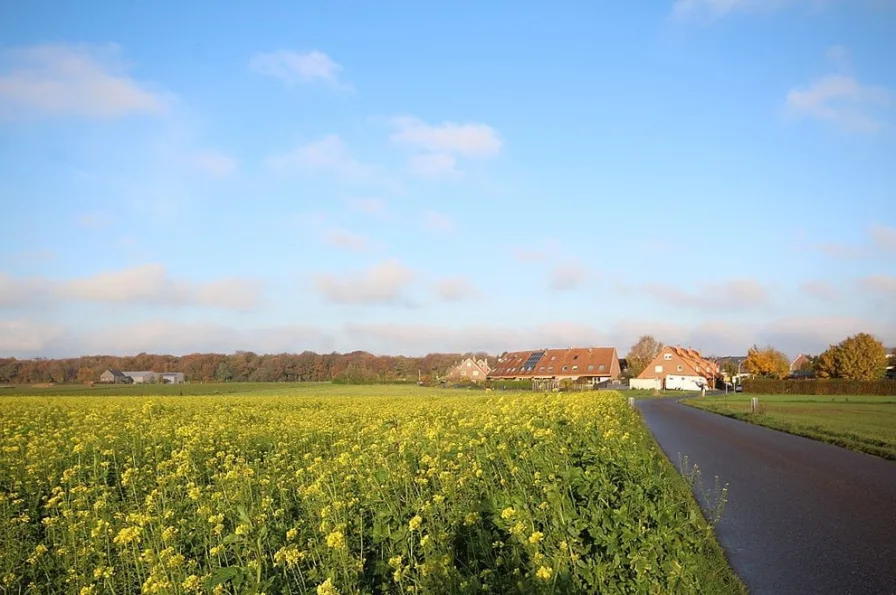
[(339, 489), (865, 423)]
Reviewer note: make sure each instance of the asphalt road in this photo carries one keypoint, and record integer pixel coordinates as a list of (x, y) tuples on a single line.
[(802, 516)]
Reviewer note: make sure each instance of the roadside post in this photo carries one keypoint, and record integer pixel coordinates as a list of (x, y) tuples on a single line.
[(754, 404), (631, 402)]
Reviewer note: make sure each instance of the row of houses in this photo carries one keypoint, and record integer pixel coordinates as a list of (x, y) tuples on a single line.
[(589, 367), (141, 377)]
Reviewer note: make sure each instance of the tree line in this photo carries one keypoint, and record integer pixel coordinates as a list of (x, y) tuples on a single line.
[(858, 357), (242, 366)]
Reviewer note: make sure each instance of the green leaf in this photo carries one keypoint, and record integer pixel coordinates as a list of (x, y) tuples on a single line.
[(222, 575)]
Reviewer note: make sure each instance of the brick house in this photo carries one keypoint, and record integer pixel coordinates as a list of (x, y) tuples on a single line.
[(678, 368), (800, 362), (470, 369), (585, 366)]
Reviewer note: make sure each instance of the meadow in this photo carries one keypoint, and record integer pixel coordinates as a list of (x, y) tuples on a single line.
[(328, 489), (862, 423)]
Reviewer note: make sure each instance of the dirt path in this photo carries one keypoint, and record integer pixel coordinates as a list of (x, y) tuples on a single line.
[(802, 516)]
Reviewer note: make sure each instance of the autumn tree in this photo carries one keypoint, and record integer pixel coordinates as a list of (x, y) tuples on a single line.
[(768, 362), (859, 357), (642, 353), (85, 375)]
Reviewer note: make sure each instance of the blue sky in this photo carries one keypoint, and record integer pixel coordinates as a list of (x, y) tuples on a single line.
[(409, 178)]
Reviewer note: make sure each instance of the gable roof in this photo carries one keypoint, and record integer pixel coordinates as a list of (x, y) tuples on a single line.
[(696, 363), (550, 363), (116, 373)]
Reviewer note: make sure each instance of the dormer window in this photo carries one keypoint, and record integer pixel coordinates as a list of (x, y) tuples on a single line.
[(667, 356)]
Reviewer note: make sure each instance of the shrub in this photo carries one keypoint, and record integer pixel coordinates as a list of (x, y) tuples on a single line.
[(771, 386)]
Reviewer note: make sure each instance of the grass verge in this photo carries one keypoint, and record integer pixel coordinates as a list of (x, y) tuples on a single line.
[(864, 423)]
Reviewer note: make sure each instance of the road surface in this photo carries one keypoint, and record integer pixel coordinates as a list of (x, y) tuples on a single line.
[(802, 516)]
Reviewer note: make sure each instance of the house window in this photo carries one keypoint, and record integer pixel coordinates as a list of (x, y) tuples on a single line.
[(575, 357), (667, 356), (679, 368), (469, 364), (698, 367), (565, 368), (553, 357), (550, 368), (463, 373), (658, 369), (475, 372), (574, 368), (602, 367), (541, 369), (590, 367)]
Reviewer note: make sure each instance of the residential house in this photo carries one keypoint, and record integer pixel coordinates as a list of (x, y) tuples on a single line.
[(801, 367), (470, 370), (115, 377), (678, 368), (731, 367), (143, 377), (173, 378), (549, 368)]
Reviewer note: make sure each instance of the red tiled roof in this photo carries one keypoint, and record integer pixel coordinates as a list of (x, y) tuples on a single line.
[(586, 361)]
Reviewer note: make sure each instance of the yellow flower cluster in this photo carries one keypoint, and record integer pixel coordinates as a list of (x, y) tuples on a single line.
[(328, 490)]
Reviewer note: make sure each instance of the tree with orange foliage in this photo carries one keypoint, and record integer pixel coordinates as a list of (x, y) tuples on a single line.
[(767, 362)]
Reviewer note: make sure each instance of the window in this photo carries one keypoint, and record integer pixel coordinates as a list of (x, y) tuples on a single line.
[(553, 357), (475, 372), (658, 369), (575, 357), (679, 368), (463, 373), (602, 367), (550, 368), (541, 369), (565, 368), (574, 368), (469, 364), (590, 367), (667, 356), (698, 367)]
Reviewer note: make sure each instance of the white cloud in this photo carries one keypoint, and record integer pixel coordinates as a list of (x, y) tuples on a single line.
[(93, 220), (568, 276), (439, 222), (735, 294), (214, 163), (73, 80), (455, 289), (842, 101), (821, 290), (884, 285), (328, 154), (384, 283), (433, 165), (883, 238), (720, 8), (26, 336), (469, 140), (369, 206), (146, 284), (347, 240), (293, 67)]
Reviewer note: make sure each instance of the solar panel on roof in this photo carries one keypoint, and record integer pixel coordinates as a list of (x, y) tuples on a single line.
[(533, 360)]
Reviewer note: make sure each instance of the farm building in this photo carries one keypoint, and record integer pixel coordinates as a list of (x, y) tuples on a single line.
[(549, 368), (115, 377), (143, 377), (677, 368), (173, 377), (470, 369)]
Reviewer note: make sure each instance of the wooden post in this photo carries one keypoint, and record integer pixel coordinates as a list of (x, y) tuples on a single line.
[(631, 402), (754, 404)]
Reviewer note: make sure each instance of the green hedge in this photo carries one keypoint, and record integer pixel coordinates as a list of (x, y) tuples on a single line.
[(770, 386)]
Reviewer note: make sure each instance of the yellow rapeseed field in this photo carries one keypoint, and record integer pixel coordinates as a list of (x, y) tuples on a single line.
[(425, 492)]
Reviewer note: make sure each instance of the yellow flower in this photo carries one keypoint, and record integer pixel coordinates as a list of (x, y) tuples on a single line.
[(336, 540), (327, 588), (415, 523), (128, 535), (544, 573), (536, 537), (508, 513)]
